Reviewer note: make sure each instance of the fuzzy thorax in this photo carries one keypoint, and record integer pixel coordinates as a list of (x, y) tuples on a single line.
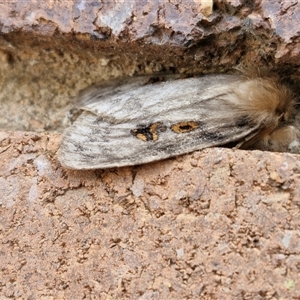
[(264, 100)]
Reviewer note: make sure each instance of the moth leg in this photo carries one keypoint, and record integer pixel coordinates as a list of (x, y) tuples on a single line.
[(286, 138), (254, 137)]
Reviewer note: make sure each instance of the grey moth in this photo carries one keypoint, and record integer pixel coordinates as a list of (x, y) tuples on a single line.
[(132, 121)]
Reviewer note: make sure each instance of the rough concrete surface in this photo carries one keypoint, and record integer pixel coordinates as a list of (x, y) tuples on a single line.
[(216, 224)]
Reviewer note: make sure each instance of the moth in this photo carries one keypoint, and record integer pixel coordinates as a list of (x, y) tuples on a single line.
[(135, 120)]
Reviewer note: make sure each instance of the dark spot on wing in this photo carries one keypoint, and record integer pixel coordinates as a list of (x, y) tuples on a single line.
[(212, 135), (242, 121), (148, 132), (185, 126)]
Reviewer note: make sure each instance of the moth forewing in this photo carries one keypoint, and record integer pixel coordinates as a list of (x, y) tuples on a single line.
[(132, 124), (115, 87)]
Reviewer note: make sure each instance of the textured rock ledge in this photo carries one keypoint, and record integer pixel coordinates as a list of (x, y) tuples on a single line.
[(51, 50), (213, 224)]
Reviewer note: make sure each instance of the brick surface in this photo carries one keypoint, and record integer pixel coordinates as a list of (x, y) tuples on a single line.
[(215, 224)]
